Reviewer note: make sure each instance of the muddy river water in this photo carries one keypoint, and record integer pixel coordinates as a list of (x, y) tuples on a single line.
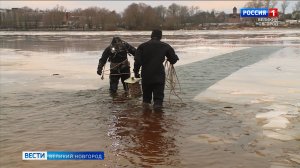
[(73, 110)]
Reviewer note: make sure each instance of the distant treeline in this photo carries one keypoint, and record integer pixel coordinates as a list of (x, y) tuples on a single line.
[(135, 17)]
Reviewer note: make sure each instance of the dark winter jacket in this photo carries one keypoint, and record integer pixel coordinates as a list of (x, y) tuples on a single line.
[(151, 56), (116, 56)]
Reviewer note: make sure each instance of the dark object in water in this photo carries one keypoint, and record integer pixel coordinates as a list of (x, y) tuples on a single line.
[(157, 108), (119, 101), (134, 86), (146, 106), (55, 74), (228, 107), (119, 98)]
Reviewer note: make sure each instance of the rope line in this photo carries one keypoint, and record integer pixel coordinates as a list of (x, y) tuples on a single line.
[(172, 81), (103, 70)]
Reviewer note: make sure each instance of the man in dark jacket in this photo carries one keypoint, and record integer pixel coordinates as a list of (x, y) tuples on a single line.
[(116, 53), (151, 56)]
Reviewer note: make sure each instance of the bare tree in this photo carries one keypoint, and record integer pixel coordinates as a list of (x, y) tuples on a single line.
[(37, 18), (113, 20), (89, 18), (173, 13), (193, 10), (284, 5), (254, 4), (135, 17), (183, 15), (202, 17), (296, 11), (142, 16), (55, 17), (131, 16), (151, 18), (274, 4), (105, 19), (269, 3), (220, 18), (161, 12), (174, 10), (297, 6)]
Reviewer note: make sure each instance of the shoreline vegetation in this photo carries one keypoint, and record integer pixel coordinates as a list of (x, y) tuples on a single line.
[(143, 17)]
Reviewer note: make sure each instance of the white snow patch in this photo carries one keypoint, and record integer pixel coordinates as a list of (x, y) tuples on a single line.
[(277, 122), (270, 115), (276, 135)]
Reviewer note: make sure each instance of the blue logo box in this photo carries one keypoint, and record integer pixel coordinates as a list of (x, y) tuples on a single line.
[(254, 12), (66, 155), (63, 155)]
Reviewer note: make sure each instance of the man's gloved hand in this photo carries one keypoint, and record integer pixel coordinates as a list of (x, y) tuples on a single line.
[(99, 72), (137, 75), (100, 67), (172, 61)]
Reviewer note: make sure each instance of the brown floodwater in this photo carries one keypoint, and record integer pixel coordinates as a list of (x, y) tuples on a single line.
[(206, 134)]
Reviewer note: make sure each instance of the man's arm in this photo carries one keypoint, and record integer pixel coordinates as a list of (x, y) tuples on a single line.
[(171, 56), (137, 62), (130, 49), (102, 60)]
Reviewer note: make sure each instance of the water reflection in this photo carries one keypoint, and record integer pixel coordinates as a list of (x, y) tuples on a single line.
[(136, 138), (62, 44), (85, 42), (145, 138)]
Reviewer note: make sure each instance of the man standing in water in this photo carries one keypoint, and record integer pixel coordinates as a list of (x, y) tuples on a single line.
[(116, 53), (151, 56)]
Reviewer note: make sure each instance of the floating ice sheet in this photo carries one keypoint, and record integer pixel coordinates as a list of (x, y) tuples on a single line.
[(270, 114), (278, 136), (276, 122), (274, 79)]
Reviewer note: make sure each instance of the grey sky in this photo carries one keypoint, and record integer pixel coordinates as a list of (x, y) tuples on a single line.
[(119, 6)]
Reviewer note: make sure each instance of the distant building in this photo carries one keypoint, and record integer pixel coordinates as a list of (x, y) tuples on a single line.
[(66, 17), (234, 17)]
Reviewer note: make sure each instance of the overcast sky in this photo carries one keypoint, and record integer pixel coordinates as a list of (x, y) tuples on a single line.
[(119, 6)]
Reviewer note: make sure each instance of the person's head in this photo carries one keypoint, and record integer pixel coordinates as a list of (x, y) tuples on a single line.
[(116, 40), (156, 34), (117, 44)]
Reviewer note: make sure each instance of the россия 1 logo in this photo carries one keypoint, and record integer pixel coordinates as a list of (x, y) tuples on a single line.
[(259, 12)]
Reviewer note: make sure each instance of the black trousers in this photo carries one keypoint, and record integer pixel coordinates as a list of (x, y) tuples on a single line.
[(115, 76), (157, 89)]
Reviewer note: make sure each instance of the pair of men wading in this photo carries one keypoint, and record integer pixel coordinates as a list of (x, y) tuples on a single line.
[(149, 56)]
